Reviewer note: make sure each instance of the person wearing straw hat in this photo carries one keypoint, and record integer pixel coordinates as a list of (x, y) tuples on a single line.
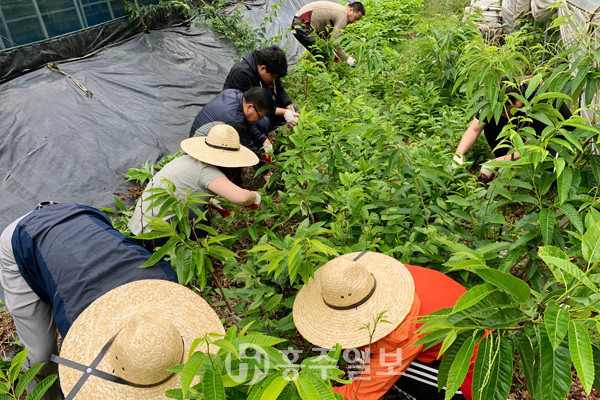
[(121, 346), (204, 169), (350, 291), (242, 111), (57, 260)]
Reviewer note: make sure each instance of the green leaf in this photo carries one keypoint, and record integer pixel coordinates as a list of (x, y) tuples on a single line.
[(592, 217), (27, 377), (16, 364), (564, 184), (275, 387), (555, 368), (306, 388), (505, 318), (460, 367), (547, 222), (533, 84), (159, 254), (493, 370), (559, 264), (212, 385), (596, 353), (573, 216), (448, 340), (473, 296), (513, 286), (41, 388), (184, 264), (595, 165), (324, 389), (590, 245), (581, 353), (530, 362), (227, 345), (190, 369), (557, 320)]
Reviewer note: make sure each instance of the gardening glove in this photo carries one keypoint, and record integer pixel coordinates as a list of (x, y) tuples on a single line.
[(291, 117), (256, 202), (216, 204), (458, 159), (267, 179), (487, 173), (351, 61), (268, 150)]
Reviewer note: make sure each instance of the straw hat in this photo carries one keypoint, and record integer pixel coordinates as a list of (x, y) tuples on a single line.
[(348, 292), (144, 327), (221, 148)]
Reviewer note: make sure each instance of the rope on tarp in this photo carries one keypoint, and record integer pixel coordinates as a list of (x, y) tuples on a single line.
[(54, 67)]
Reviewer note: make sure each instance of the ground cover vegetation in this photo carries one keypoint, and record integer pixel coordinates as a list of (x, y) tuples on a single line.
[(369, 167)]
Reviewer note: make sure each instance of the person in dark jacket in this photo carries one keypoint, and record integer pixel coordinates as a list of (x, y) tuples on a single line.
[(265, 68), (54, 262), (240, 110)]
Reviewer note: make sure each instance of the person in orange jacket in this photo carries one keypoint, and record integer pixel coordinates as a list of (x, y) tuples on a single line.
[(350, 291)]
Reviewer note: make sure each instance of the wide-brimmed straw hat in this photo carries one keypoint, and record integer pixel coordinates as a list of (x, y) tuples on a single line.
[(350, 291), (119, 348), (221, 148)]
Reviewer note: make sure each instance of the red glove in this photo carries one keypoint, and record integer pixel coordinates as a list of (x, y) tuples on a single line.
[(216, 204), (225, 212)]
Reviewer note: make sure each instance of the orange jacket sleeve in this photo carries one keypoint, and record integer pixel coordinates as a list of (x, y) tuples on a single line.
[(389, 358)]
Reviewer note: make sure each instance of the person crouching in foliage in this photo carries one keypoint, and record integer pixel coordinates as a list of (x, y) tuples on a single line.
[(493, 128), (203, 170), (54, 262), (321, 18), (241, 110), (265, 68), (349, 292)]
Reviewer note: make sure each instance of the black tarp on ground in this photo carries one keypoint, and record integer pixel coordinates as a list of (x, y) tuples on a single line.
[(58, 144)]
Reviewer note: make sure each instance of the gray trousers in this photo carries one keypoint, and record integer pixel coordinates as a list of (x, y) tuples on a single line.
[(33, 317)]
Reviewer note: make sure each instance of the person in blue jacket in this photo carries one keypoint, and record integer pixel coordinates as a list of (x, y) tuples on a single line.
[(240, 110), (265, 68), (54, 262)]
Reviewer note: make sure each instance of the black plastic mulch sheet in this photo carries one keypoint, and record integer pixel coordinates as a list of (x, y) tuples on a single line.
[(56, 143)]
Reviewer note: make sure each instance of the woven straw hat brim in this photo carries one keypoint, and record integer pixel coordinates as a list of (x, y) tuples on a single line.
[(197, 148), (324, 326), (98, 323)]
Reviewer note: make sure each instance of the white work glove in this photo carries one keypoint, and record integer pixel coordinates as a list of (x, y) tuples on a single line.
[(256, 203), (268, 148), (351, 61), (486, 173), (458, 159), (291, 117), (258, 198)]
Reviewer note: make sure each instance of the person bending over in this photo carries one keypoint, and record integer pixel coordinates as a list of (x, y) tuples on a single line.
[(321, 18), (203, 170), (265, 68)]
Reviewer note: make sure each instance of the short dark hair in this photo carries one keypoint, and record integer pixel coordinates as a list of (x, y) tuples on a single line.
[(274, 59), (357, 6), (260, 97)]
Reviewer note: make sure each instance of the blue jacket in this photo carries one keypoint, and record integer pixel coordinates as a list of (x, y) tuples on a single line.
[(227, 108), (70, 255)]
